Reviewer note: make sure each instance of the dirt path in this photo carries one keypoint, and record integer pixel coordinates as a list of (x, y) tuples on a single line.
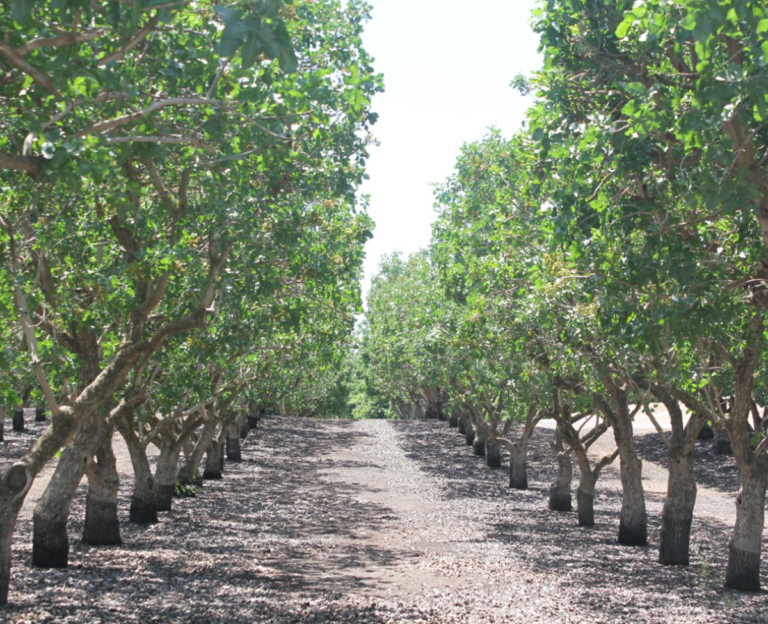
[(342, 521)]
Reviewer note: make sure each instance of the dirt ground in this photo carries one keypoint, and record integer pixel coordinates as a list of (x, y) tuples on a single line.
[(377, 521)]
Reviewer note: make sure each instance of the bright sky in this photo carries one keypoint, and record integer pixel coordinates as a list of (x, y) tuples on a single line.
[(447, 67)]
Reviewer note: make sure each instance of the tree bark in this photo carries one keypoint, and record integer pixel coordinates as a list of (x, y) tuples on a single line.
[(50, 543), (560, 490), (213, 461), (143, 508), (459, 427), (585, 498), (677, 515), (18, 420), (743, 570), (234, 453), (492, 454), (102, 525), (478, 443), (14, 485), (518, 469), (165, 474), (39, 414)]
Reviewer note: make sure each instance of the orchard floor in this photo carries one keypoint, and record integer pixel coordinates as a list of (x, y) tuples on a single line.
[(377, 522)]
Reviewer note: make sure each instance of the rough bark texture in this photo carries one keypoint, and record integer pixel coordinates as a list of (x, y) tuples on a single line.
[(518, 468), (478, 444), (677, 515), (492, 454), (14, 484), (633, 523), (560, 490), (102, 526), (743, 571)]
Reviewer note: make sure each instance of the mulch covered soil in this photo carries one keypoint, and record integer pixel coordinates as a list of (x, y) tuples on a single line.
[(376, 522)]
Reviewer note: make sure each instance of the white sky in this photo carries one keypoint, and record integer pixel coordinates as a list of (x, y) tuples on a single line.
[(447, 67)]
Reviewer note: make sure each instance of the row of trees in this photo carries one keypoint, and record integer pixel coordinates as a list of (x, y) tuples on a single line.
[(180, 234), (610, 256)]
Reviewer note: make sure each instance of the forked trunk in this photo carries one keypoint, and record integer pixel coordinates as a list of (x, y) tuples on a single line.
[(478, 444), (102, 526), (492, 454), (677, 515), (743, 571), (560, 490), (518, 469)]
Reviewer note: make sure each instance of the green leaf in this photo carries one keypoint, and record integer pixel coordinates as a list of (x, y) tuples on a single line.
[(624, 27), (22, 10)]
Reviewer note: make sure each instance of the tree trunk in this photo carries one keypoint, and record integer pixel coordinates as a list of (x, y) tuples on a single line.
[(492, 454), (453, 421), (102, 526), (39, 414), (743, 571), (213, 460), (2, 426), (585, 499), (478, 444), (50, 544), (518, 469), (722, 442), (14, 485), (469, 433), (560, 490), (18, 420), (678, 509), (253, 422), (165, 474), (633, 525), (189, 471), (143, 508), (233, 443), (459, 426)]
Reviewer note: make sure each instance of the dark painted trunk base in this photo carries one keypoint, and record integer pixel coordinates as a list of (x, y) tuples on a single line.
[(164, 497), (39, 415), (143, 511), (212, 475), (244, 431), (492, 455), (470, 437), (453, 421), (518, 475), (586, 508), (675, 541), (723, 446), (560, 499), (252, 422), (706, 433), (632, 536), (50, 544), (102, 526), (18, 421), (743, 572), (233, 450), (460, 426), (478, 447)]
